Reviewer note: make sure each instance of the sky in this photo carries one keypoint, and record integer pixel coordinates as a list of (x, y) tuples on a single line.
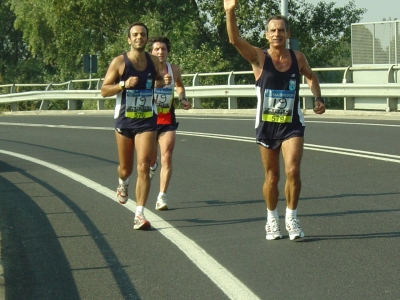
[(376, 9)]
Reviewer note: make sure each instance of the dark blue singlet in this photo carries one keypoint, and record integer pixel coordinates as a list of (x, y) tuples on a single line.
[(278, 108), (146, 82)]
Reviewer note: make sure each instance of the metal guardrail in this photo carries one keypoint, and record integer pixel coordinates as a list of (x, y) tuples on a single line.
[(382, 96)]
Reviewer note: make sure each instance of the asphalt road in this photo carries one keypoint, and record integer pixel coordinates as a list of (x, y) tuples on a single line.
[(63, 235)]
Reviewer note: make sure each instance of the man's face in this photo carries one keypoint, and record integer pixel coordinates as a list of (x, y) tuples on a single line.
[(138, 38), (277, 34), (160, 50)]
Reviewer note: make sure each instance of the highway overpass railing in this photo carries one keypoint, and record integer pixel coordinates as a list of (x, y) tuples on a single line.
[(362, 88)]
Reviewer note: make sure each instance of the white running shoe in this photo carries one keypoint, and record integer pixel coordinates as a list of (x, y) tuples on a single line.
[(294, 229), (153, 169), (140, 222), (273, 230), (161, 203), (122, 193)]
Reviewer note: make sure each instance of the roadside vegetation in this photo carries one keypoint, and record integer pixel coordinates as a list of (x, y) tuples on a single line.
[(43, 41)]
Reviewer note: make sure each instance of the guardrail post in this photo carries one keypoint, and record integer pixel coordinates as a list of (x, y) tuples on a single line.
[(14, 105), (100, 102), (232, 101), (348, 102), (196, 101), (391, 102), (45, 103), (308, 102), (71, 103)]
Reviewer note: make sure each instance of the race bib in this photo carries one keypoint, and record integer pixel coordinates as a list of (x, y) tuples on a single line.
[(278, 106), (139, 104), (163, 98)]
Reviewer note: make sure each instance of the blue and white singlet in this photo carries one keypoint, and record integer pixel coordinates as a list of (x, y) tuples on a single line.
[(134, 107), (278, 106)]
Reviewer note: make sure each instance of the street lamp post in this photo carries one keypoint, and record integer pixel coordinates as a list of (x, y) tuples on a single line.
[(284, 8)]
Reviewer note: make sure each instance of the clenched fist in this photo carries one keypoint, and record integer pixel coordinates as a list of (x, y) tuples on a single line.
[(167, 79), (131, 82)]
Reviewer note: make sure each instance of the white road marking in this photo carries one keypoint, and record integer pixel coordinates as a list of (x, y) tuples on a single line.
[(222, 278), (322, 121), (336, 150), (355, 123), (226, 281)]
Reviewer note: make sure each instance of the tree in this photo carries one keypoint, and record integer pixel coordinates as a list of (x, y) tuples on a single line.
[(56, 33), (18, 65)]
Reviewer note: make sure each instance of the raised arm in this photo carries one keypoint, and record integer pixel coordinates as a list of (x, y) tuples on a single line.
[(253, 55)]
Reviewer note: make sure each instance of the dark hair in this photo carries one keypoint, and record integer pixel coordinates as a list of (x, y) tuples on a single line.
[(159, 39), (278, 17), (137, 24)]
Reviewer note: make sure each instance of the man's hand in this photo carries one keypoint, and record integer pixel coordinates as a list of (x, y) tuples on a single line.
[(230, 4), (186, 104), (131, 82), (167, 79), (319, 107)]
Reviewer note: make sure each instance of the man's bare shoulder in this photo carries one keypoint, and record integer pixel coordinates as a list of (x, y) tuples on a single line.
[(117, 61), (299, 55), (259, 60)]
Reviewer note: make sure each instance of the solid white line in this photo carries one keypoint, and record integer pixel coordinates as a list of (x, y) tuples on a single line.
[(336, 150), (208, 118), (342, 151), (354, 123), (352, 150), (223, 279), (355, 154), (55, 126)]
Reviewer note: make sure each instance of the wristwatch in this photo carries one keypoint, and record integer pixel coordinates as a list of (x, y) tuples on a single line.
[(122, 85)]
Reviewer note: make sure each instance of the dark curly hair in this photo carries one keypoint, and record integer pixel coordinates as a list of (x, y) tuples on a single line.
[(159, 39)]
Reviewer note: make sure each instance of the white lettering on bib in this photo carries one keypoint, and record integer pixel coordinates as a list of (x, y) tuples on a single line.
[(139, 104), (278, 106)]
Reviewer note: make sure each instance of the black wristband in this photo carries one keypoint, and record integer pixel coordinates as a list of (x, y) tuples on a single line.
[(184, 98), (320, 99)]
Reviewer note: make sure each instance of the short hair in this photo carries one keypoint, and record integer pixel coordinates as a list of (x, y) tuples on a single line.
[(278, 17), (159, 39), (137, 24)]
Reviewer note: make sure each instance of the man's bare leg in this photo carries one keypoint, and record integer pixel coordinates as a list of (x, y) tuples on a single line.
[(292, 151), (144, 145), (125, 148), (270, 161), (167, 144)]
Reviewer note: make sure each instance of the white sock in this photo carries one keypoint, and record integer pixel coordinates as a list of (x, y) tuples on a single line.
[(272, 214), (139, 209), (161, 194), (124, 182), (291, 214)]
